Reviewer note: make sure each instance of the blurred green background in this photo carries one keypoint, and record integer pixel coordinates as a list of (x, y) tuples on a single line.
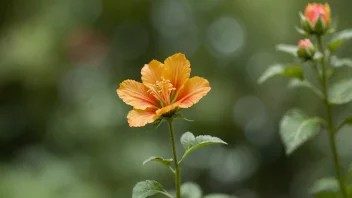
[(63, 130)]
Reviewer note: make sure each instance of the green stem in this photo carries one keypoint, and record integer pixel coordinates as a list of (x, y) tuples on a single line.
[(331, 127), (177, 167)]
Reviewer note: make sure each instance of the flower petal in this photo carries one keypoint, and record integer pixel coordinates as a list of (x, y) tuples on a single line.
[(139, 118), (194, 89), (152, 72), (167, 109), (177, 70), (136, 94), (327, 16)]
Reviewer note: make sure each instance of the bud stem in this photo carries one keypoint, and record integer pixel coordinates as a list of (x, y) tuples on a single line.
[(331, 127)]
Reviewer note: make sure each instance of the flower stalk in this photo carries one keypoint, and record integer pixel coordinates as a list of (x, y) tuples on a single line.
[(177, 167), (331, 127)]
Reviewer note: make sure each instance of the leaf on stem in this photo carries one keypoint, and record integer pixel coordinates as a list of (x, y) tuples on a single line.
[(339, 39), (340, 92), (340, 62), (192, 143), (295, 83), (157, 123), (187, 140), (346, 121), (180, 116), (161, 160), (148, 188), (325, 188), (289, 49), (279, 70), (190, 190), (296, 128)]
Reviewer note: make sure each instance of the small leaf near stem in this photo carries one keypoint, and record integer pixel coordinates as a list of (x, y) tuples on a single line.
[(340, 92), (340, 62), (296, 128), (166, 162), (305, 83), (347, 121), (325, 186), (292, 71), (286, 48), (148, 188), (192, 143)]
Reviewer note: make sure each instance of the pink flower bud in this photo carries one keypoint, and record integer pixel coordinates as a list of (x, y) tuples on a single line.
[(306, 49), (304, 43), (315, 10)]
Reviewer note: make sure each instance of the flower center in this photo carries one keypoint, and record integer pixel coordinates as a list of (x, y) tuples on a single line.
[(161, 90)]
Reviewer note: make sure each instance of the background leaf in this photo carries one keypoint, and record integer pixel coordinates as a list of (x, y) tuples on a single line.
[(341, 92), (296, 128), (161, 160), (289, 49), (147, 188), (280, 70), (191, 190)]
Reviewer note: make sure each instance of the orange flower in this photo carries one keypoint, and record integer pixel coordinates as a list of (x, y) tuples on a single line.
[(314, 10), (166, 88)]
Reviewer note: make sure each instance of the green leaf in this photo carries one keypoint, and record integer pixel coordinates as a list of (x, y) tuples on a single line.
[(280, 70), (296, 128), (148, 188), (339, 39), (192, 143), (343, 35), (187, 140), (325, 187), (161, 160), (295, 83), (219, 196), (335, 45), (340, 62), (346, 121), (340, 92), (179, 116), (301, 31), (157, 123), (289, 49), (190, 190)]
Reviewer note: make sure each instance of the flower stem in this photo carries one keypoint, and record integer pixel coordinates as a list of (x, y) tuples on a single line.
[(177, 167), (331, 127)]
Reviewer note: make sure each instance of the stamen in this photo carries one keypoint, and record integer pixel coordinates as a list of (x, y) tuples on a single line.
[(161, 90)]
